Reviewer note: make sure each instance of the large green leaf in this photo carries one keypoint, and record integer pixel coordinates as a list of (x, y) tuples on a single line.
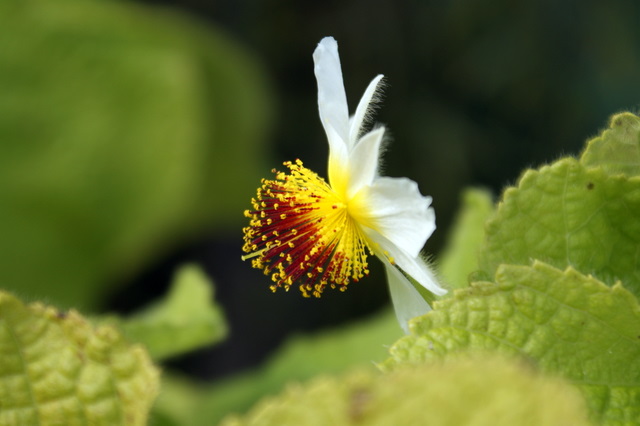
[(56, 369), (565, 322), (121, 128), (186, 320), (568, 215), (471, 391)]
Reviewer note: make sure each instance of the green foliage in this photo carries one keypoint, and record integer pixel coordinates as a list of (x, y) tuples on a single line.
[(184, 321), (117, 122), (562, 276), (460, 256), (334, 351), (617, 149), (55, 369), (568, 323), (472, 391), (575, 213)]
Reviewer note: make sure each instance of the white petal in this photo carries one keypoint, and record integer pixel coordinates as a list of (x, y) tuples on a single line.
[(407, 301), (415, 267), (396, 209), (332, 100), (363, 161), (419, 271), (338, 166), (363, 110)]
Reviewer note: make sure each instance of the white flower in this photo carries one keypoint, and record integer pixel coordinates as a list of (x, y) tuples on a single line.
[(318, 234)]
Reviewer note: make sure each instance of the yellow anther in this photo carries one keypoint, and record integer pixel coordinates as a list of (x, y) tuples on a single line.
[(303, 230)]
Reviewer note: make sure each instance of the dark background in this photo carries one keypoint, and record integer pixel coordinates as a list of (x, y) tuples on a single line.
[(476, 92)]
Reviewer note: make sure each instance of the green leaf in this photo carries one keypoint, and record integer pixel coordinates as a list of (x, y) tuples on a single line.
[(302, 357), (119, 124), (567, 215), (565, 322), (470, 391), (460, 256), (617, 149), (56, 369), (186, 320)]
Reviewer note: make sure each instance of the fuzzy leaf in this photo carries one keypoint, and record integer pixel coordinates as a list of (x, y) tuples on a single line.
[(56, 369), (617, 149), (460, 256), (184, 321), (452, 393), (567, 215), (565, 322)]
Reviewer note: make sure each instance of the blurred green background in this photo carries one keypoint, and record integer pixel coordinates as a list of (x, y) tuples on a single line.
[(133, 134)]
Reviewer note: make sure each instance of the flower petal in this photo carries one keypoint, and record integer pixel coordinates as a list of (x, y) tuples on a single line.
[(407, 302), (396, 209), (338, 167), (332, 100), (419, 271), (363, 161), (415, 267), (363, 110)]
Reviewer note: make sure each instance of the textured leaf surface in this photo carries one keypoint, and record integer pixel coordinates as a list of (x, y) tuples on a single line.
[(185, 321), (568, 215), (56, 369), (475, 391), (617, 149), (460, 256), (116, 122), (565, 322)]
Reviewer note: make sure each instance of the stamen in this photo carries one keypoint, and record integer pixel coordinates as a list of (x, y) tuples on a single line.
[(301, 231)]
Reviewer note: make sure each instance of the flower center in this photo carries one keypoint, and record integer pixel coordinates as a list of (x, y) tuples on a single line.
[(301, 231)]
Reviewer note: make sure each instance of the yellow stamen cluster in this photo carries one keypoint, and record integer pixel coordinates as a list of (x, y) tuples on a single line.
[(301, 231)]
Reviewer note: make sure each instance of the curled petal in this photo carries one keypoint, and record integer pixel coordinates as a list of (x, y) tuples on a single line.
[(407, 302), (363, 110), (419, 271), (363, 161), (415, 267), (397, 210), (332, 100)]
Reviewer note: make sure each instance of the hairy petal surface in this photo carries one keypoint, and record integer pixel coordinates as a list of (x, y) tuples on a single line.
[(332, 100), (363, 110)]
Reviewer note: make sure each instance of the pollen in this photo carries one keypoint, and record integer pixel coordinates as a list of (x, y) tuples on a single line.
[(300, 231)]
